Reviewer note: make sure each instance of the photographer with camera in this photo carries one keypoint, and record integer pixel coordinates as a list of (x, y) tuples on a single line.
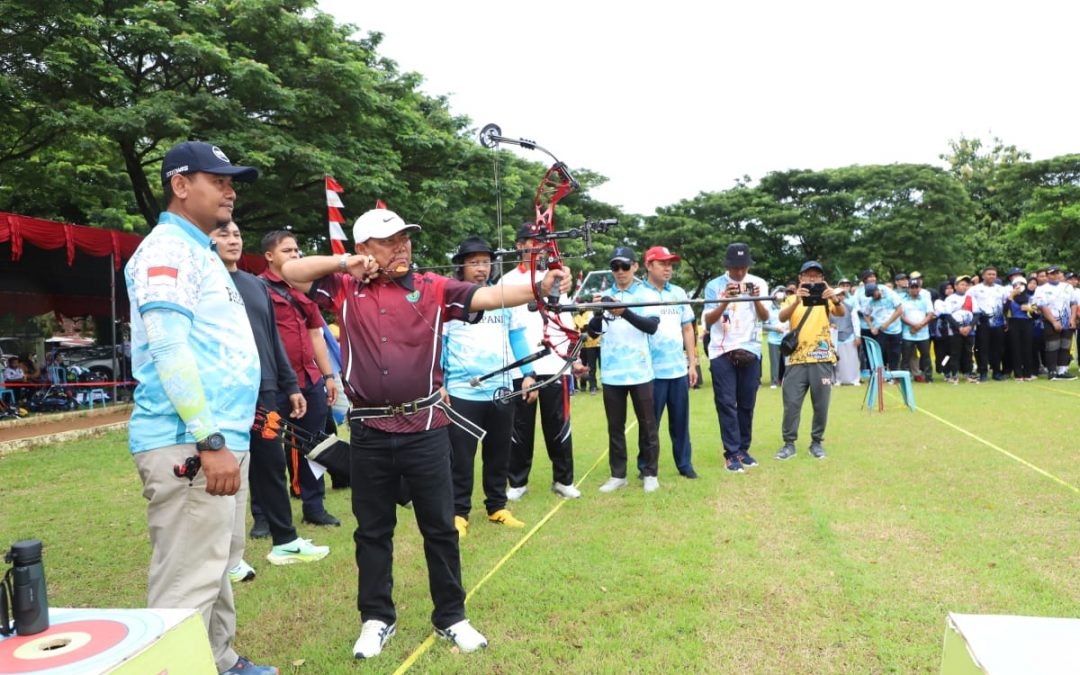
[(811, 366), (735, 352)]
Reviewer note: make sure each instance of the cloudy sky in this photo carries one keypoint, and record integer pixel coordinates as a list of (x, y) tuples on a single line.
[(673, 98)]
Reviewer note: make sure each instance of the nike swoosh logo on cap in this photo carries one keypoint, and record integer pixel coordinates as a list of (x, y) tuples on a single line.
[(388, 219)]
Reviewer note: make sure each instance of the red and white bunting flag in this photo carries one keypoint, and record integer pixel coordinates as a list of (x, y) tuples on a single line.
[(334, 217), (380, 204)]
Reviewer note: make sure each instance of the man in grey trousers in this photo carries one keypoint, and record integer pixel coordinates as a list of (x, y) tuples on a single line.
[(811, 366)]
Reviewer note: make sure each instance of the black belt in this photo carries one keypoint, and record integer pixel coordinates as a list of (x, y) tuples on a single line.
[(410, 408)]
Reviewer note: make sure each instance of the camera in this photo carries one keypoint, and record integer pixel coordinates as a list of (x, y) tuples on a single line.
[(748, 289), (816, 291), (24, 584)]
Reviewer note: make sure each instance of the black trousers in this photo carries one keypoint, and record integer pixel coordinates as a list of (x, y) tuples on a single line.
[(891, 346), (554, 403), (990, 349), (590, 356), (923, 347), (266, 480), (312, 489), (641, 396), (497, 419), (1020, 346), (379, 461), (941, 350)]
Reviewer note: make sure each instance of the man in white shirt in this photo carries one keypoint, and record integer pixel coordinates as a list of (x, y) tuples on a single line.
[(990, 297), (1057, 302), (554, 399), (735, 352)]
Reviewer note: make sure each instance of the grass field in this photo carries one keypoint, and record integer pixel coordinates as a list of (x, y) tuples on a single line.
[(844, 565)]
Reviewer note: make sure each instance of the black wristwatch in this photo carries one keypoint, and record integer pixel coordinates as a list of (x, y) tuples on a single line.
[(214, 441)]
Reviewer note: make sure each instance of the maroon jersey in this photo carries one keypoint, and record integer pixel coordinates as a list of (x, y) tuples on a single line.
[(390, 340)]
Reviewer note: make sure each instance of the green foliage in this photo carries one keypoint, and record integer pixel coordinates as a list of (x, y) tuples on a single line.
[(847, 219), (1050, 225), (97, 91)]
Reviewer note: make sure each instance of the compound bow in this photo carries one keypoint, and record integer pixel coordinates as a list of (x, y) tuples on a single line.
[(557, 183)]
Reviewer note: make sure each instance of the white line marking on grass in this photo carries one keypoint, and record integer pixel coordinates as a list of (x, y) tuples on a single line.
[(1002, 451), (426, 644), (1057, 391)]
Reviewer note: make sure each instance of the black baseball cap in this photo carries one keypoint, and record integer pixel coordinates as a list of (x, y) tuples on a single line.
[(899, 277), (623, 253), (811, 265), (738, 255), (195, 156), (867, 273)]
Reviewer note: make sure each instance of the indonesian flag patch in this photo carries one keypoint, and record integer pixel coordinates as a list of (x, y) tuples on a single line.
[(161, 276)]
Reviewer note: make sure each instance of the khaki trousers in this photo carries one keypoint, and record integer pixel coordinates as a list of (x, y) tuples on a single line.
[(196, 538)]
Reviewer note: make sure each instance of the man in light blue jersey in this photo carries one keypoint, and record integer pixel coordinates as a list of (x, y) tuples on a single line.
[(195, 359), (627, 371), (674, 356), (471, 350)]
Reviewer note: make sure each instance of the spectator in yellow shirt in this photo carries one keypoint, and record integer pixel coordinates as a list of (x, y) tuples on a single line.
[(811, 366)]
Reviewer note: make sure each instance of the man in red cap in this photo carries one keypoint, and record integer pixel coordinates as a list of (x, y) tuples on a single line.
[(674, 356)]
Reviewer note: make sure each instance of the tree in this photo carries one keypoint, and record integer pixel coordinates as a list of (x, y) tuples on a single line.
[(985, 174), (95, 92), (1050, 224)]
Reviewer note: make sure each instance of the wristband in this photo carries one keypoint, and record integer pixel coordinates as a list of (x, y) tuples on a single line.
[(328, 376), (343, 263)]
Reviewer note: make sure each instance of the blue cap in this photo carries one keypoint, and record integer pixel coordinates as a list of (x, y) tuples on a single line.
[(811, 265), (195, 156)]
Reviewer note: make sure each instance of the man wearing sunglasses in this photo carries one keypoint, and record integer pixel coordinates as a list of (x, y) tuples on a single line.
[(628, 371)]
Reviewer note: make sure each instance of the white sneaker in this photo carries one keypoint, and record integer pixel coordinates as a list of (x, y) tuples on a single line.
[(567, 491), (612, 484), (463, 635), (297, 551), (242, 572), (515, 494), (373, 635), (652, 483)]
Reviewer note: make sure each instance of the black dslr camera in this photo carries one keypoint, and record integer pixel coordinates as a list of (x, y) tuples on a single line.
[(815, 298)]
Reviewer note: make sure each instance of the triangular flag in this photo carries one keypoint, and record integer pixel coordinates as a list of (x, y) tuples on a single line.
[(337, 239), (334, 217), (379, 204)]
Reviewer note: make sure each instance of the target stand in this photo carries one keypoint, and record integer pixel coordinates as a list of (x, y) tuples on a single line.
[(119, 641)]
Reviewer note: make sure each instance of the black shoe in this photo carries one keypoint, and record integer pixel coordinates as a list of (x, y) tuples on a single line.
[(260, 529), (322, 518), (689, 473)]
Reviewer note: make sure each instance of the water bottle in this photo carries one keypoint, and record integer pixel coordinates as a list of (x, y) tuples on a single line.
[(29, 603)]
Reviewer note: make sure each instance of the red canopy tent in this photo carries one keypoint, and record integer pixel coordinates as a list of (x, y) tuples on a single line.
[(73, 270)]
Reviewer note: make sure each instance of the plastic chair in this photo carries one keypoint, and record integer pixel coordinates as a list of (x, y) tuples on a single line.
[(58, 374), (97, 394), (879, 375), (8, 395)]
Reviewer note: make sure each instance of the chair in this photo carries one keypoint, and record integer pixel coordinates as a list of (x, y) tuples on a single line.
[(57, 374), (97, 394), (879, 375), (8, 395)]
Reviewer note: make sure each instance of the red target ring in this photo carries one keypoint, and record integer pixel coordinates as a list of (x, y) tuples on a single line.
[(60, 645)]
